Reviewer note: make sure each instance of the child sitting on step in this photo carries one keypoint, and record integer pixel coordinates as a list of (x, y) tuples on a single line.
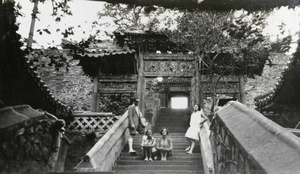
[(148, 145), (164, 144)]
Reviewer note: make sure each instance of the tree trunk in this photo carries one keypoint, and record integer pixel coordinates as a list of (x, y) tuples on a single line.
[(33, 19)]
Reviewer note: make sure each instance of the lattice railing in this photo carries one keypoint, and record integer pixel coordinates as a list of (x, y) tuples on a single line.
[(92, 121)]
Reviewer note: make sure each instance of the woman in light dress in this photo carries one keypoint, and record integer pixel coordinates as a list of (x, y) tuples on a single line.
[(164, 144), (196, 121), (148, 145)]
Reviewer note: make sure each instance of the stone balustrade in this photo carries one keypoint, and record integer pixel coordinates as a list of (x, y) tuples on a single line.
[(99, 122), (207, 156), (104, 153), (244, 141)]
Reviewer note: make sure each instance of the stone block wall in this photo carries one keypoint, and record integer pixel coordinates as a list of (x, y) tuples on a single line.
[(30, 141), (71, 87)]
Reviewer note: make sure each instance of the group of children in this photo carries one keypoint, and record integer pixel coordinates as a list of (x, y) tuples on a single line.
[(162, 145)]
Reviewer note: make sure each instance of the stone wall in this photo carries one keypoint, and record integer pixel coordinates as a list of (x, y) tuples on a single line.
[(71, 87)]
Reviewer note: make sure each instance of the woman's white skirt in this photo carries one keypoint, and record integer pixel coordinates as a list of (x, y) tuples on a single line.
[(193, 133)]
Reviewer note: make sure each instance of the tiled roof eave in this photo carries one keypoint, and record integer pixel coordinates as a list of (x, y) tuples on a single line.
[(59, 107), (270, 99), (106, 54)]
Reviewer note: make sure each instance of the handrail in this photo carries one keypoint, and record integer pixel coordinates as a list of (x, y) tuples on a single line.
[(206, 150), (104, 153)]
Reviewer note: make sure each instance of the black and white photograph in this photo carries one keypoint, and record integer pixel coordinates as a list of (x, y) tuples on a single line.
[(149, 87)]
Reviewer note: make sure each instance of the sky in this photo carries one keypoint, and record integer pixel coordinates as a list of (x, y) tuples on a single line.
[(85, 12)]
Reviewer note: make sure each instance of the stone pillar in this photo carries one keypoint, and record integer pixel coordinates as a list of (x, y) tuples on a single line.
[(199, 92), (140, 82), (242, 90), (95, 94), (197, 83)]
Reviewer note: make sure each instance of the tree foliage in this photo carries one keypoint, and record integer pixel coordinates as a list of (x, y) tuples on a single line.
[(200, 30), (134, 17), (226, 42), (50, 56)]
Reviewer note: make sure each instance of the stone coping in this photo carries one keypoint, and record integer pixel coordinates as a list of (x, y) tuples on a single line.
[(272, 147), (104, 153)]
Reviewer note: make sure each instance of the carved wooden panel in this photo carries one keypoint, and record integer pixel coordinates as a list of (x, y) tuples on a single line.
[(179, 88), (221, 87), (169, 68), (117, 85), (206, 78), (152, 66)]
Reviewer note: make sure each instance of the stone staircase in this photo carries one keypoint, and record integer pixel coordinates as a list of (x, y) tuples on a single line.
[(175, 120), (179, 162)]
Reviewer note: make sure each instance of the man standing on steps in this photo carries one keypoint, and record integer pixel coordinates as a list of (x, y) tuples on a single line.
[(134, 114)]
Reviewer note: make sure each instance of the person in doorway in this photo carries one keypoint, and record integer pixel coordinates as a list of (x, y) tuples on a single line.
[(133, 120), (196, 121), (148, 145), (164, 144)]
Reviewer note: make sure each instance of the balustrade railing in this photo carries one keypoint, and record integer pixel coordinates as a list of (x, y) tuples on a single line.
[(244, 141), (92, 121), (104, 153)]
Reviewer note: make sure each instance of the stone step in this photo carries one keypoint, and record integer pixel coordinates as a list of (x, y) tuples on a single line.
[(143, 166), (171, 128), (174, 157), (174, 138), (173, 117), (171, 134), (170, 161), (159, 172), (176, 148), (175, 144), (175, 130), (76, 172), (159, 162), (175, 153)]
